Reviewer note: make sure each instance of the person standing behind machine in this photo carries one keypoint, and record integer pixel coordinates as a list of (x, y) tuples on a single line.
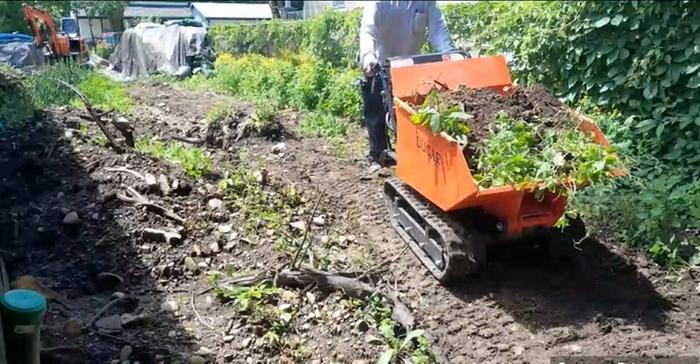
[(393, 29)]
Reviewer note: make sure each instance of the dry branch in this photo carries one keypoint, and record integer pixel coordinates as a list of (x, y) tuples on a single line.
[(126, 170), (328, 282), (138, 199), (95, 116)]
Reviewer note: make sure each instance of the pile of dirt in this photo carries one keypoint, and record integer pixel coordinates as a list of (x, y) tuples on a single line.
[(532, 104)]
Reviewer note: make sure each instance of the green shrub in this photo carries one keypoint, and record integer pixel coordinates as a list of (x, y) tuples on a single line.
[(104, 93), (320, 124), (104, 50), (45, 89), (16, 107), (342, 97)]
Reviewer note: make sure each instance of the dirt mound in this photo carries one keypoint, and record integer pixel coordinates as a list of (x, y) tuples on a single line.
[(531, 104)]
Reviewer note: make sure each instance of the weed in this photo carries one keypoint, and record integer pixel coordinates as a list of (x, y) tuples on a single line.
[(263, 119), (193, 160), (219, 113), (249, 299), (319, 124), (84, 128), (259, 207), (413, 345)]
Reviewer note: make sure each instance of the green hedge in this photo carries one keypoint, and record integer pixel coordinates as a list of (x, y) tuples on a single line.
[(333, 37), (641, 58)]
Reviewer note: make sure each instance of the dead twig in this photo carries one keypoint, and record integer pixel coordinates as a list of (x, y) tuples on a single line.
[(194, 308), (126, 170), (95, 117), (104, 309), (138, 199), (116, 338), (301, 249), (194, 141)]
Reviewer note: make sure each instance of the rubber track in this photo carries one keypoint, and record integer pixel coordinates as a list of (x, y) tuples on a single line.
[(460, 261)]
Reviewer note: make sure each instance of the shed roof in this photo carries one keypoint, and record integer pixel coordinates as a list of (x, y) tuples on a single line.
[(160, 9), (233, 10)]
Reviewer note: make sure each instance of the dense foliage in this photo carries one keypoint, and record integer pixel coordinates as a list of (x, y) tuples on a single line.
[(16, 107), (333, 37), (635, 65), (298, 81)]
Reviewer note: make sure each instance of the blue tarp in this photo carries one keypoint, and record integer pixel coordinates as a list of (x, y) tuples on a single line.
[(15, 37)]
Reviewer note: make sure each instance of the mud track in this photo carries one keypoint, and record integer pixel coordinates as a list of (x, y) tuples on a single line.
[(524, 307)]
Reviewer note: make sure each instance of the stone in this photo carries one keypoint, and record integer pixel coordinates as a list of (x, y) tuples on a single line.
[(228, 247), (359, 361), (319, 221), (126, 352), (109, 324), (298, 225), (107, 281), (196, 359), (215, 204), (196, 250), (71, 218), (129, 320), (518, 350), (336, 314), (310, 297), (191, 265), (161, 104), (204, 351), (225, 228), (123, 120), (164, 185), (245, 343), (229, 338), (73, 327), (172, 333), (285, 307), (164, 236), (279, 148), (286, 317), (574, 348), (68, 134), (170, 306), (214, 247)]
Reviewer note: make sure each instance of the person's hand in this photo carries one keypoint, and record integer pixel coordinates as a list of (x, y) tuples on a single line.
[(368, 71)]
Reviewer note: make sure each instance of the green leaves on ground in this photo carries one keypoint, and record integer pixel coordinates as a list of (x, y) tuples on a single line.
[(193, 161)]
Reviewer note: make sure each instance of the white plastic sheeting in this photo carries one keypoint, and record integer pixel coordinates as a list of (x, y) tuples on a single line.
[(154, 48)]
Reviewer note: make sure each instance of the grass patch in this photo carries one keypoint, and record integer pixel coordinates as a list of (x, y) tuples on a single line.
[(104, 93), (45, 89), (192, 159)]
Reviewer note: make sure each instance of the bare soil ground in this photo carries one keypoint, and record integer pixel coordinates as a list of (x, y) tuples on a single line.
[(603, 300)]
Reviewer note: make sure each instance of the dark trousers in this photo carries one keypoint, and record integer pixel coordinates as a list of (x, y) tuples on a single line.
[(374, 117)]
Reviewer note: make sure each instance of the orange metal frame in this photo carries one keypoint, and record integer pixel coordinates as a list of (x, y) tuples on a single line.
[(435, 166)]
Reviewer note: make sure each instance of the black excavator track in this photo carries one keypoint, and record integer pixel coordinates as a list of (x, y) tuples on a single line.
[(448, 249)]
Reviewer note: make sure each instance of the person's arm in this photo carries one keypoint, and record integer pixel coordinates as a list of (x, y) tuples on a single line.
[(368, 37), (438, 33)]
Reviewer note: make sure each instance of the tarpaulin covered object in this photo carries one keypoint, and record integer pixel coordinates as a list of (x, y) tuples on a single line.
[(152, 48), (19, 51)]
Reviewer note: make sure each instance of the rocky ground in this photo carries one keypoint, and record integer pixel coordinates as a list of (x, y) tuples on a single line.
[(67, 232)]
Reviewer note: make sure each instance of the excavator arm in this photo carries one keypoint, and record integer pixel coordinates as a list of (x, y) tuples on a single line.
[(45, 34)]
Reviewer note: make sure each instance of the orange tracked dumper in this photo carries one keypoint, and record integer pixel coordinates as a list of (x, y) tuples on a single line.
[(435, 205)]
